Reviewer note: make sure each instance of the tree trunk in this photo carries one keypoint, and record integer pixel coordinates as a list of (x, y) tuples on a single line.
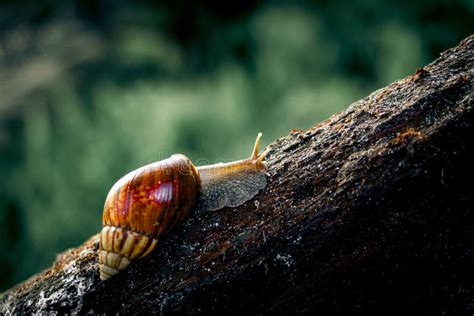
[(367, 211)]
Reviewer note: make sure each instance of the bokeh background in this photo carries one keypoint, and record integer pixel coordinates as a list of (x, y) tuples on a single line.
[(92, 89)]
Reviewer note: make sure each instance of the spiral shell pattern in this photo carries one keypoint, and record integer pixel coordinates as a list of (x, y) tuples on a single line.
[(118, 246), (142, 206)]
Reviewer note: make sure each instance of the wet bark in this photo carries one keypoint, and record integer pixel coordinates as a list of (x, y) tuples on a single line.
[(370, 210)]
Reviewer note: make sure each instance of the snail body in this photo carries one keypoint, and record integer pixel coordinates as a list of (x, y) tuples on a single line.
[(148, 202)]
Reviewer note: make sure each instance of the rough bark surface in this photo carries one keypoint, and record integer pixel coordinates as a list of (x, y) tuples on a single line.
[(370, 210)]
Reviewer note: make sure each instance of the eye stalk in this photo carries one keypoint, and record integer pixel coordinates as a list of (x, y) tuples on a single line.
[(256, 158)]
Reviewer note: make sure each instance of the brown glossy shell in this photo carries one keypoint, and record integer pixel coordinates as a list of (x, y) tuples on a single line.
[(142, 206)]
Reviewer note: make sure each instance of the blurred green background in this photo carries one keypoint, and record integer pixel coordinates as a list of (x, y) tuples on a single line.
[(92, 89)]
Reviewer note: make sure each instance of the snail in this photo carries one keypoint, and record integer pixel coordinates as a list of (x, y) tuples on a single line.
[(148, 202)]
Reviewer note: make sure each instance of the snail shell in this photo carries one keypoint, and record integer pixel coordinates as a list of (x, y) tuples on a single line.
[(142, 206)]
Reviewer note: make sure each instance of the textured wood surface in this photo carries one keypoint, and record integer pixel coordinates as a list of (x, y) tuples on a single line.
[(370, 210)]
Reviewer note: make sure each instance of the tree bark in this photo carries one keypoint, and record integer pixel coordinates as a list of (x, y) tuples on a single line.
[(368, 211)]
